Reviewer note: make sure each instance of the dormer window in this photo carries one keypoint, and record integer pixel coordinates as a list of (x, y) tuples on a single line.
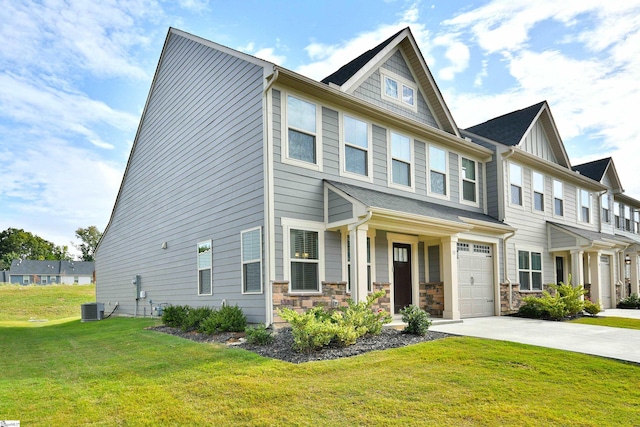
[(398, 90)]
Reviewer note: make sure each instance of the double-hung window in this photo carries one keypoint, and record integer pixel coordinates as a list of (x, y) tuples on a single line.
[(251, 241), (616, 213), (356, 146), (606, 215), (401, 160), (399, 90), (515, 178), (302, 141), (636, 220), (585, 206), (369, 285), (627, 218), (538, 191), (530, 270), (304, 255), (469, 180), (204, 268), (437, 171), (558, 198)]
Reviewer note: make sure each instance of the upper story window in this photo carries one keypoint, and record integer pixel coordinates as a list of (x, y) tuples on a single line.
[(558, 198), (437, 171), (627, 218), (585, 206), (469, 180), (356, 146), (515, 178), (616, 213), (204, 268), (401, 160), (636, 220), (251, 241), (606, 215), (302, 145), (538, 191), (398, 90), (530, 270)]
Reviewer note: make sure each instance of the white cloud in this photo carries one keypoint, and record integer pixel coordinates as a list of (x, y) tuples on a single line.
[(268, 54), (456, 52), (194, 5)]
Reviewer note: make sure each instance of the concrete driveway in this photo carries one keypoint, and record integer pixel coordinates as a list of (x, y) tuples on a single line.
[(615, 343)]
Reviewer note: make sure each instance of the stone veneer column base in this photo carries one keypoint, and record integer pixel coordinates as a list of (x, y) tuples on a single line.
[(432, 298)]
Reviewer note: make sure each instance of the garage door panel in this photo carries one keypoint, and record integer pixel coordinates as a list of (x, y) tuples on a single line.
[(475, 280)]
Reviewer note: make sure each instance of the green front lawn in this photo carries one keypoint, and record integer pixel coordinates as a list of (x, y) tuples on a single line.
[(614, 322), (114, 372)]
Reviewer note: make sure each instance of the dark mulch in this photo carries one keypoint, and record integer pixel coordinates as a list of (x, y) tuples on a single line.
[(282, 346)]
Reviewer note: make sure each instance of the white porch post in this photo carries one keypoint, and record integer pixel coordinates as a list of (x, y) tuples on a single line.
[(634, 274), (358, 238), (596, 295), (450, 277), (577, 267)]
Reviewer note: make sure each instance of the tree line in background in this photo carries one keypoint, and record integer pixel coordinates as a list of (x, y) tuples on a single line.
[(16, 243)]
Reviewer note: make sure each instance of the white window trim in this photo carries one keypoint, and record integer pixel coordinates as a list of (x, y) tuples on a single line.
[(608, 209), (447, 174), (371, 235), (299, 224), (462, 179), (384, 73), (533, 193), (343, 145), (521, 206), (530, 250), (243, 262), (580, 206), (284, 154), (564, 205), (412, 164), (620, 217), (209, 268)]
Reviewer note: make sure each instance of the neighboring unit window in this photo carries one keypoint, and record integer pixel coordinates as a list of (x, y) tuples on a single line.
[(585, 206), (606, 215), (616, 213), (538, 191), (304, 261), (44, 280), (515, 177), (369, 287), (558, 198), (52, 279), (356, 146), (25, 280), (75, 279), (301, 121), (627, 218), (469, 180), (252, 261), (400, 159), (636, 220), (398, 90), (437, 170), (204, 268), (530, 270)]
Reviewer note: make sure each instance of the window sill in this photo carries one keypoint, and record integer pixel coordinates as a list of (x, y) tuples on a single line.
[(304, 294)]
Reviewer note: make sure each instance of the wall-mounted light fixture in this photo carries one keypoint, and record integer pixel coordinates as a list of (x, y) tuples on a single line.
[(627, 260)]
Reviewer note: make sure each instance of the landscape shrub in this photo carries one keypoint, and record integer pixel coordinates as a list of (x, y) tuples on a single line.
[(566, 301), (309, 330), (195, 317), (258, 335), (175, 315), (592, 308), (417, 320), (227, 319), (632, 301)]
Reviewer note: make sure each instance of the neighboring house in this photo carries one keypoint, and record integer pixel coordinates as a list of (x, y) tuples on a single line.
[(619, 215), (50, 272), (4, 276), (556, 210), (253, 185)]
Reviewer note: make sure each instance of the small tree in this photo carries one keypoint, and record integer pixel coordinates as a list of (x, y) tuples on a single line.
[(89, 237)]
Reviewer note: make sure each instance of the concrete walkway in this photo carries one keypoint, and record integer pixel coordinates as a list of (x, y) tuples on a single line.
[(615, 343)]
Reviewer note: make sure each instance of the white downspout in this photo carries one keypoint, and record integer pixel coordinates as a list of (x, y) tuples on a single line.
[(506, 268)]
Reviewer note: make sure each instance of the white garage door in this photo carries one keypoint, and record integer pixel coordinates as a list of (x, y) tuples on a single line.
[(475, 280), (605, 282)]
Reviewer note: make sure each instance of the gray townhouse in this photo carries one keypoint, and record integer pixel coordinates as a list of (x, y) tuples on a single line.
[(49, 272), (251, 184), (562, 213)]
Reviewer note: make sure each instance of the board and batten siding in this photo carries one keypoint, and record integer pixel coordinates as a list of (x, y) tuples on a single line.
[(536, 143), (195, 174)]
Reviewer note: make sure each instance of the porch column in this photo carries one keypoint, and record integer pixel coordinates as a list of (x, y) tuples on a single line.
[(596, 294), (450, 277), (577, 267), (359, 279), (634, 274)]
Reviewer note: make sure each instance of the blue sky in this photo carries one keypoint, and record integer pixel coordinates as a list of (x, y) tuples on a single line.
[(74, 77)]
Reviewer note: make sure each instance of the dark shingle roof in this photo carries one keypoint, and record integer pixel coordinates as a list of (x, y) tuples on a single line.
[(347, 71), (509, 128), (378, 199), (595, 169), (52, 267)]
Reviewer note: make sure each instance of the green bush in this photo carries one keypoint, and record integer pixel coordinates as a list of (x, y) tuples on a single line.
[(195, 317), (632, 301), (417, 320), (227, 319), (592, 308), (309, 331), (258, 335), (571, 296), (565, 302), (175, 315)]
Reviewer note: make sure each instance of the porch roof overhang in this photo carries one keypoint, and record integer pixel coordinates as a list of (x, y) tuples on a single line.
[(632, 241), (585, 239), (397, 213)]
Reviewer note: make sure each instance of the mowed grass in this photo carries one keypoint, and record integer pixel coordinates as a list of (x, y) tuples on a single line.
[(614, 322), (116, 372), (20, 304)]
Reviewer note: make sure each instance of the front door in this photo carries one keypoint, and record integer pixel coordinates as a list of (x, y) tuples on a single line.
[(401, 276), (559, 270)]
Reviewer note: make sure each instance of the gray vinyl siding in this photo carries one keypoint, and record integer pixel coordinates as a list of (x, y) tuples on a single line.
[(434, 263), (371, 91), (339, 208), (537, 143), (195, 174)]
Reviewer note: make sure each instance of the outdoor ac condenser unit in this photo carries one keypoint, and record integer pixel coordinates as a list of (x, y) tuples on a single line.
[(92, 311)]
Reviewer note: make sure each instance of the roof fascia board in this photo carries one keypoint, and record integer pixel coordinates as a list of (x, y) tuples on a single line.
[(556, 135), (611, 166), (544, 109)]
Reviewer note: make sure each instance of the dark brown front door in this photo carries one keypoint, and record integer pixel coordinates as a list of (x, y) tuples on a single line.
[(401, 276)]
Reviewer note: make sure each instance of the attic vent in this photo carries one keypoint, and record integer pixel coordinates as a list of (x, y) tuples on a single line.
[(92, 311)]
